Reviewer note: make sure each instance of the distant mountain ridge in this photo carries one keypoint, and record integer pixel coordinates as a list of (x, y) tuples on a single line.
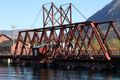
[(110, 12), (9, 33)]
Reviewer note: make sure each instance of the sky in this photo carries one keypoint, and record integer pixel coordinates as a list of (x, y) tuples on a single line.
[(22, 13)]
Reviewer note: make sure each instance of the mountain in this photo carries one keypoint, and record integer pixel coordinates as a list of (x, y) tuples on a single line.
[(110, 12), (9, 33)]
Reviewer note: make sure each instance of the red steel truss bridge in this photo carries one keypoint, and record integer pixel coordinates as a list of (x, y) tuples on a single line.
[(62, 39)]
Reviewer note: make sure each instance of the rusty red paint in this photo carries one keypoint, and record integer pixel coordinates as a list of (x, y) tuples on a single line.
[(71, 41)]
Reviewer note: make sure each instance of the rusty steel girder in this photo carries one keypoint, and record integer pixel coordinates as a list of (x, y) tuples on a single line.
[(54, 16), (60, 38), (74, 40)]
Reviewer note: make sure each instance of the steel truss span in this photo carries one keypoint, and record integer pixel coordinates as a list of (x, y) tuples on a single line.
[(69, 41), (60, 38)]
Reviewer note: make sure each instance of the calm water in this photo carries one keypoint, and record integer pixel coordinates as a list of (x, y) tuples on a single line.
[(30, 73)]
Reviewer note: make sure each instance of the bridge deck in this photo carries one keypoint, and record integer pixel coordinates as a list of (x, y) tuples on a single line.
[(96, 58)]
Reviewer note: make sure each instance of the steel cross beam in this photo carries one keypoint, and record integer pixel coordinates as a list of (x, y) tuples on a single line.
[(57, 16)]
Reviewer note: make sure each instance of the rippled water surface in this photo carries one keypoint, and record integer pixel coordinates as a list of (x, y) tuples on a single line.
[(30, 73)]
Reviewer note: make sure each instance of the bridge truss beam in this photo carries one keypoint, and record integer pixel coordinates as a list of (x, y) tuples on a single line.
[(69, 41)]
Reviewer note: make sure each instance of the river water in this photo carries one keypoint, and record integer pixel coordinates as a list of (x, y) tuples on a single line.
[(33, 73)]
